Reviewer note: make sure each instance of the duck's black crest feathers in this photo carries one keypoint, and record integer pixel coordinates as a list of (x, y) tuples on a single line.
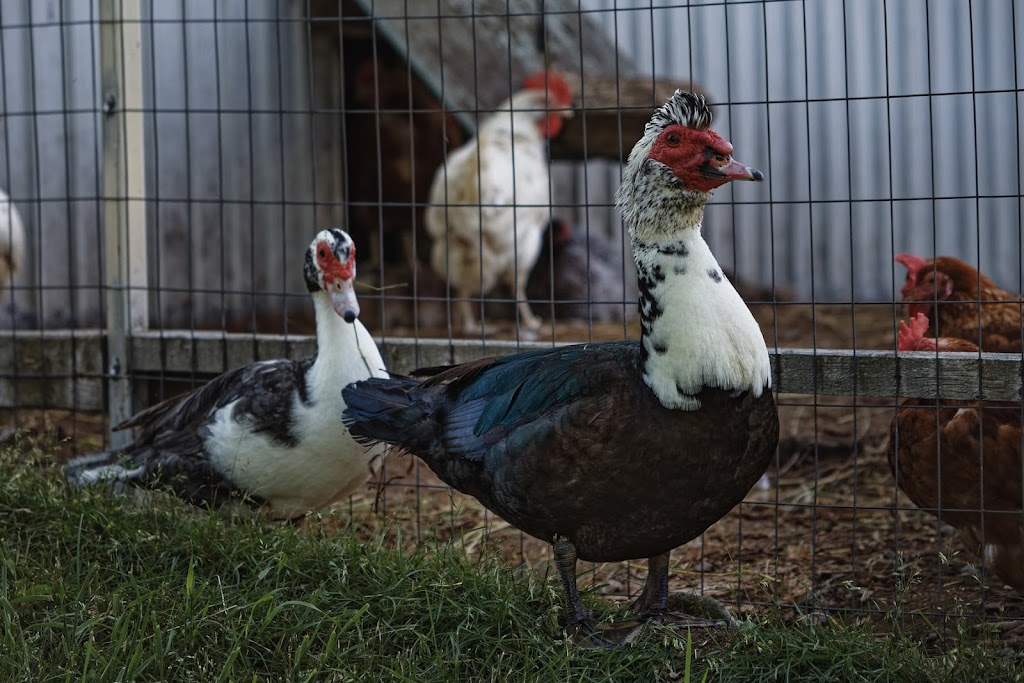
[(685, 108)]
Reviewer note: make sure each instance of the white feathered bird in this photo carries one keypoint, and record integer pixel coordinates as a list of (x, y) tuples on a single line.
[(12, 242), (269, 432), (491, 201)]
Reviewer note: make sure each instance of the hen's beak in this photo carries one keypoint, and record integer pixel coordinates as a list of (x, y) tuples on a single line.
[(343, 299), (733, 170)]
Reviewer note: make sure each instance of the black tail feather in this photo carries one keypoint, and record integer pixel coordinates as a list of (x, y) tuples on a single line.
[(383, 410)]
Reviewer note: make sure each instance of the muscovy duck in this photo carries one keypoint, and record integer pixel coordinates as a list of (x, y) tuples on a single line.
[(267, 432), (621, 450)]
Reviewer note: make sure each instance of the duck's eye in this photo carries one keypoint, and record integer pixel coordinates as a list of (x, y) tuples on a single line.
[(672, 139), (322, 253)]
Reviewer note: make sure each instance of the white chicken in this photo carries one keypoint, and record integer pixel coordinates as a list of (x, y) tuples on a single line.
[(490, 202), (12, 242)]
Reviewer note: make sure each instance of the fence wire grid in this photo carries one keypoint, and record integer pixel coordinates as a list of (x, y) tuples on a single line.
[(170, 162)]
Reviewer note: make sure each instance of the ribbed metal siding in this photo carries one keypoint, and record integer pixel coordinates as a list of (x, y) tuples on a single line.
[(882, 125), (50, 156), (229, 154)]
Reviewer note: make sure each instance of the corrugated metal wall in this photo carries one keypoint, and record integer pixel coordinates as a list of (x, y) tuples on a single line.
[(229, 155), (50, 156), (882, 126)]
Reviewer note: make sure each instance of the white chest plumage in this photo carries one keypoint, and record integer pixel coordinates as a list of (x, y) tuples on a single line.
[(698, 332), (326, 462)]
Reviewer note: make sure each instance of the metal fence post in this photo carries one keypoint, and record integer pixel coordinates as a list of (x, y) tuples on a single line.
[(124, 191)]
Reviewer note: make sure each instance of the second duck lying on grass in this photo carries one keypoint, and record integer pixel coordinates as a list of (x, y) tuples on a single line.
[(621, 450), (267, 432)]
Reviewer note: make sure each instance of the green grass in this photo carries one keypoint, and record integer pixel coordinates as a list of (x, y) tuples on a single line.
[(96, 588)]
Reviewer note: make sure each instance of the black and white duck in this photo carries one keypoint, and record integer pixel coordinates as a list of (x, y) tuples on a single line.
[(621, 450), (267, 432)]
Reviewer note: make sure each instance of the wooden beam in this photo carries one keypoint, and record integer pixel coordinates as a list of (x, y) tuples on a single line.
[(52, 369), (822, 372), (844, 372), (124, 191), (64, 368), (833, 372)]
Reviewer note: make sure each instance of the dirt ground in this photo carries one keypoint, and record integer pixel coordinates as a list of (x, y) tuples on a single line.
[(828, 531)]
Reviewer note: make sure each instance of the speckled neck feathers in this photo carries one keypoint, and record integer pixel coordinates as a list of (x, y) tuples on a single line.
[(696, 330)]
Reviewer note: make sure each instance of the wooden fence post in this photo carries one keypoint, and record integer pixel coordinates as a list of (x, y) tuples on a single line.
[(124, 197)]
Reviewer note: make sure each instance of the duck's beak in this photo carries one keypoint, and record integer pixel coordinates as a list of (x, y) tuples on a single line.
[(734, 170), (343, 299)]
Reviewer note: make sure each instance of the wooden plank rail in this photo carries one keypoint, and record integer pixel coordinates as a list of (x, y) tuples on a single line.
[(52, 369), (65, 368)]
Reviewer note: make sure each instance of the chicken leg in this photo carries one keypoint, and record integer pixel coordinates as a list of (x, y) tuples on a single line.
[(528, 321), (467, 315)]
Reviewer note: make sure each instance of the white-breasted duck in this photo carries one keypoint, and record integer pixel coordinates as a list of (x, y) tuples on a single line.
[(620, 450), (268, 432)]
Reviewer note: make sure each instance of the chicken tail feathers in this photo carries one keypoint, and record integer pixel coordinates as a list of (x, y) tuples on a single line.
[(383, 410)]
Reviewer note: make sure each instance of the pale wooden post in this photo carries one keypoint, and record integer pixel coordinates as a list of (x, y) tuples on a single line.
[(124, 190)]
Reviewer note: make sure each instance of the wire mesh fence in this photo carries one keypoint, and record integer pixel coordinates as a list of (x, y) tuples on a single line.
[(171, 161)]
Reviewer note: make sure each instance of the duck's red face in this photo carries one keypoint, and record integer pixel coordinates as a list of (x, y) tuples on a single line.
[(329, 258), (701, 159), (331, 267)]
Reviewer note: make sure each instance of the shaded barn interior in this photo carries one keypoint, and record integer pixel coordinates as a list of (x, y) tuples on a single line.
[(416, 87), (313, 113)]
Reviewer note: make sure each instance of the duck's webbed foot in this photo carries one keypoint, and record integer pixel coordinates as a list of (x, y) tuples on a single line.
[(607, 636), (685, 609)]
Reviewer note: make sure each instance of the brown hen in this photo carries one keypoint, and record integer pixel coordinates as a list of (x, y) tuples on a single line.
[(957, 458), (962, 303)]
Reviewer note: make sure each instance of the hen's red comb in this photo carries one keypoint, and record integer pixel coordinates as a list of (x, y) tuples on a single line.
[(558, 90), (910, 335)]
